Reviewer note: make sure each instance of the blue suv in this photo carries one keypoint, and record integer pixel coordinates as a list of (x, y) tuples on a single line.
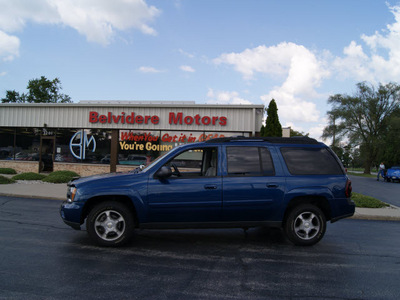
[(297, 184)]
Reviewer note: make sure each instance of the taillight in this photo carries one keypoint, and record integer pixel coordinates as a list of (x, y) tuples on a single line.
[(349, 188)]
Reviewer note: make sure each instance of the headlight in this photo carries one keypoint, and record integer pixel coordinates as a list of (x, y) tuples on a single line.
[(71, 194)]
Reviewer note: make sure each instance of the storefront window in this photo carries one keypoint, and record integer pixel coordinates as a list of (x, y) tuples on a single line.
[(63, 153), (27, 144), (84, 146), (141, 147), (137, 147), (7, 143), (171, 139)]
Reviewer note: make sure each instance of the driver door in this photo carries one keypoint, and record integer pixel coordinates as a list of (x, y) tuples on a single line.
[(194, 191)]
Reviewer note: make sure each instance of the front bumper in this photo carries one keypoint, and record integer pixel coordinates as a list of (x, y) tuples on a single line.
[(71, 214)]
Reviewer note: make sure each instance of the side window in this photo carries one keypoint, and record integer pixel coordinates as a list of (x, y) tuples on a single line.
[(266, 162), (195, 162), (249, 161), (311, 161)]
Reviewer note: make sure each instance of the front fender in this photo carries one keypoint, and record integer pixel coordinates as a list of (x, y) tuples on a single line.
[(137, 198)]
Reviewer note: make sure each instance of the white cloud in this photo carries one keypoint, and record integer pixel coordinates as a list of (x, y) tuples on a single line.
[(273, 60), (98, 20), (374, 58), (316, 131), (301, 68), (145, 69), (16, 13), (291, 108), (383, 62), (189, 55), (9, 46), (355, 64), (187, 69), (225, 97)]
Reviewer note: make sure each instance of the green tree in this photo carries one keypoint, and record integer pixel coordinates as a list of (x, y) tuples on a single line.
[(390, 153), (272, 125), (332, 130), (40, 90), (297, 133), (364, 118), (13, 96)]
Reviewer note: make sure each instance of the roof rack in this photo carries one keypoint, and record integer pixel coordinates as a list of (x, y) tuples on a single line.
[(273, 140)]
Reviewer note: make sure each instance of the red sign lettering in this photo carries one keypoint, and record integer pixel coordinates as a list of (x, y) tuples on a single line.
[(174, 118), (178, 119)]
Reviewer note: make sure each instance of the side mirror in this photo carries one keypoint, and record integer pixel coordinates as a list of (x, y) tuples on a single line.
[(163, 173)]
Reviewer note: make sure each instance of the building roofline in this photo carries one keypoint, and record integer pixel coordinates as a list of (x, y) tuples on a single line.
[(158, 104)]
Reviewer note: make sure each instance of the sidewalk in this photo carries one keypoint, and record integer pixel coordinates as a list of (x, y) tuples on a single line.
[(44, 190), (35, 189)]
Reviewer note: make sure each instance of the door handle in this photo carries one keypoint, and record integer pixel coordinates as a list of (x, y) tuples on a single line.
[(272, 186), (210, 187)]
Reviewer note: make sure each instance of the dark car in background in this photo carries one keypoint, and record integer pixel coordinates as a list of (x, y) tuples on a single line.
[(393, 174), (135, 160)]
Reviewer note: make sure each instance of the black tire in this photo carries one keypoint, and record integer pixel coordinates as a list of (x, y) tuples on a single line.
[(110, 224), (305, 225)]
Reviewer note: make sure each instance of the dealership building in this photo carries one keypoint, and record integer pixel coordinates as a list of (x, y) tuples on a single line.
[(92, 137)]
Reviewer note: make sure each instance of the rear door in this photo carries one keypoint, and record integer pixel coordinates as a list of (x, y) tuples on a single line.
[(252, 191)]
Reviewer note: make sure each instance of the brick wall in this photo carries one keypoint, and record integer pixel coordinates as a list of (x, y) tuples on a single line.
[(20, 166), (81, 169)]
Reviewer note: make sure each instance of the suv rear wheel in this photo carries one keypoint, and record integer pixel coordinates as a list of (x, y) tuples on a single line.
[(110, 224), (305, 225)]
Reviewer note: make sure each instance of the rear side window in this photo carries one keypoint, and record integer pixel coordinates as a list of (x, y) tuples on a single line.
[(249, 161), (311, 161)]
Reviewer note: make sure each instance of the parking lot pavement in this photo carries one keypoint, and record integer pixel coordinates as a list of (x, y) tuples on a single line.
[(43, 258)]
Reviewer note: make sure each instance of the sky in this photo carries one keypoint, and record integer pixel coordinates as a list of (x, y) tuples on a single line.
[(210, 51)]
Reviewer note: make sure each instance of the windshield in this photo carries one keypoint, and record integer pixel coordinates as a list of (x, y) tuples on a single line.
[(154, 162), (148, 167)]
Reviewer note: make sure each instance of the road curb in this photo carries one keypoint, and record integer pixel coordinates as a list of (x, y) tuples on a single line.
[(31, 196), (375, 218)]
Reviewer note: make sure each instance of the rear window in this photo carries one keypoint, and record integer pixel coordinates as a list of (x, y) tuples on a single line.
[(311, 161)]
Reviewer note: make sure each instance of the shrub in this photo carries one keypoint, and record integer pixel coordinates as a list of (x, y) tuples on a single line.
[(7, 171), (60, 176), (29, 176), (5, 180)]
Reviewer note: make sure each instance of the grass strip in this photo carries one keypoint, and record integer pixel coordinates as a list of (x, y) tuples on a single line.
[(367, 201)]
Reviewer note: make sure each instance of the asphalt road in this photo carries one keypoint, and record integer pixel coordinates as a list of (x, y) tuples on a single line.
[(41, 258), (388, 192)]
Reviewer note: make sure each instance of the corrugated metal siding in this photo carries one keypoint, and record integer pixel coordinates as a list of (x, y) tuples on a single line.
[(239, 118)]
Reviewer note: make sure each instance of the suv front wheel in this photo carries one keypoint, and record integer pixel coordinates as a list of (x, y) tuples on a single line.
[(305, 225), (110, 224)]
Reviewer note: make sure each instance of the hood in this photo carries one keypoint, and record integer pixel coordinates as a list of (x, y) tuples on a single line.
[(102, 178)]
